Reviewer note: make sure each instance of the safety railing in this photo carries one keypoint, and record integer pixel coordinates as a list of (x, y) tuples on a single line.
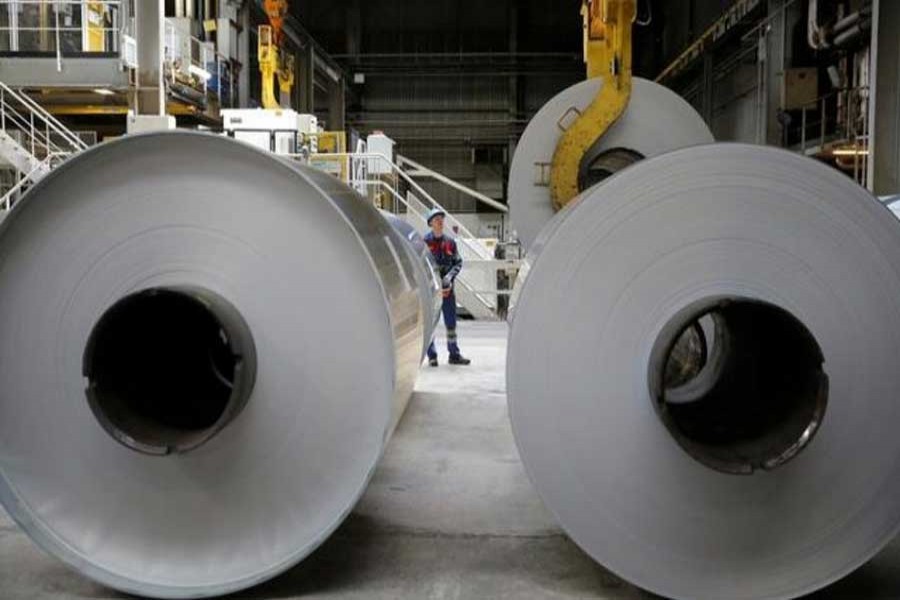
[(36, 130), (418, 171), (484, 308), (840, 120), (61, 26), (431, 203), (839, 115), (418, 202), (64, 28), (192, 62), (12, 195)]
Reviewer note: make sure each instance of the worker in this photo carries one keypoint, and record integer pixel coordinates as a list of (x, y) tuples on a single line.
[(446, 255)]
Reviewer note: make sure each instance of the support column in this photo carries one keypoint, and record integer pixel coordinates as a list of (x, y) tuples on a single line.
[(305, 80), (776, 56), (708, 89), (884, 161), (150, 19), (336, 105), (244, 56), (515, 93)]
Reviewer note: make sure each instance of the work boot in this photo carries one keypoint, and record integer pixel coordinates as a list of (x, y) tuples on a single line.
[(460, 360), (432, 362)]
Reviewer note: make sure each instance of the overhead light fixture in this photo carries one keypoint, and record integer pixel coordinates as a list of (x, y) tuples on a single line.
[(201, 73), (851, 152), (104, 92)]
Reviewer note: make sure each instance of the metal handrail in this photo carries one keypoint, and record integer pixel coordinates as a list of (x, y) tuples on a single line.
[(39, 136), (420, 170), (478, 294), (6, 199), (58, 128), (463, 230), (821, 105), (56, 28), (36, 139)]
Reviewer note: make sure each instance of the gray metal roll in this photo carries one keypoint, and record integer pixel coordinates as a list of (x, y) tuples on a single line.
[(656, 121), (428, 279), (205, 352), (775, 469)]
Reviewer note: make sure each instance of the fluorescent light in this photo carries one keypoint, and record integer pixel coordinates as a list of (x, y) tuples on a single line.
[(851, 152), (201, 73), (104, 92)]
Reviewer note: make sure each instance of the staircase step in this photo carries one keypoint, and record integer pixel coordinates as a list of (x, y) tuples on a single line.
[(16, 154)]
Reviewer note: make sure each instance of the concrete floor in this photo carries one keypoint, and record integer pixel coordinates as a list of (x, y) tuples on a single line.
[(450, 514)]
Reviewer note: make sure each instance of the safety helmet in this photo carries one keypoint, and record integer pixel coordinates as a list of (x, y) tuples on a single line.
[(435, 212)]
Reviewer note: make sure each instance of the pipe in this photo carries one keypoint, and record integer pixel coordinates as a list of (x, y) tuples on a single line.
[(206, 350), (815, 33), (853, 33), (846, 22), (852, 19)]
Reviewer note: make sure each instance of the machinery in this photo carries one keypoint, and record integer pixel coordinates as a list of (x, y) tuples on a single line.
[(281, 131), (274, 60), (607, 53)]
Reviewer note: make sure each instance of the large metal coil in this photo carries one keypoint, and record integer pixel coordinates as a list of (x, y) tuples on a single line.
[(773, 468), (656, 121), (205, 350)]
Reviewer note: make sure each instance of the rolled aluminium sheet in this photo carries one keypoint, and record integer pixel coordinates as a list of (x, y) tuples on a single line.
[(656, 121), (205, 351), (428, 281), (785, 479)]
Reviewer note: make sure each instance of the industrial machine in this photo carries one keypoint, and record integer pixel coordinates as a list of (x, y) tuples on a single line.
[(274, 60), (281, 131)]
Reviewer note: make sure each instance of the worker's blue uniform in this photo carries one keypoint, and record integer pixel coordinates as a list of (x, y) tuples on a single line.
[(446, 255)]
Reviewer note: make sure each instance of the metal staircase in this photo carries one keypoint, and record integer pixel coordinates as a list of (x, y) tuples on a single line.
[(32, 142), (476, 286), (472, 281)]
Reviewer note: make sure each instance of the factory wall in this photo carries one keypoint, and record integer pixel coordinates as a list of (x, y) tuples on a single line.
[(464, 127), (741, 99), (457, 98), (736, 111)]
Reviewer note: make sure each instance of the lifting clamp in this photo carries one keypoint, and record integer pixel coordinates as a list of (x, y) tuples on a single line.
[(274, 61), (608, 55)]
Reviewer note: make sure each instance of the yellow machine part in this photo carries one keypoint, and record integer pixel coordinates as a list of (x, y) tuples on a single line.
[(95, 25), (608, 54), (276, 10), (286, 74), (332, 143), (274, 61), (268, 66)]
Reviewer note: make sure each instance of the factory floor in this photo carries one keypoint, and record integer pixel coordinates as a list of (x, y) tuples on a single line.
[(450, 514)]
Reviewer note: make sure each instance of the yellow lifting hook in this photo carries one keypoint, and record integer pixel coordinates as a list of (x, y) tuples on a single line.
[(608, 55)]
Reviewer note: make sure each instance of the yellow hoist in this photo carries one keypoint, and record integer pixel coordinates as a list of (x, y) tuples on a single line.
[(274, 61), (607, 53)]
